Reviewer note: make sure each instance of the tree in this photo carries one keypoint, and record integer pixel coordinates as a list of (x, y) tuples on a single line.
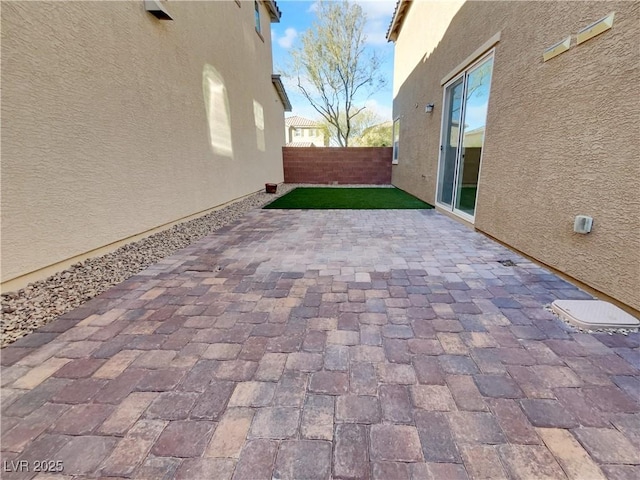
[(379, 135), (360, 124), (333, 67)]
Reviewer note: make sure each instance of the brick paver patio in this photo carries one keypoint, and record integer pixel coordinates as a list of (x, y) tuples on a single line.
[(343, 344)]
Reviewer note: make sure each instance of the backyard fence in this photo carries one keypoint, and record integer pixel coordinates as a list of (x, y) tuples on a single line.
[(333, 165)]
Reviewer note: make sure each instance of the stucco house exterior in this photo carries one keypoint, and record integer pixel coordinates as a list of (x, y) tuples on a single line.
[(123, 118), (302, 132), (517, 117)]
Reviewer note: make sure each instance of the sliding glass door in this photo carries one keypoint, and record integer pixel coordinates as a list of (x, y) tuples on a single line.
[(449, 146), (466, 101)]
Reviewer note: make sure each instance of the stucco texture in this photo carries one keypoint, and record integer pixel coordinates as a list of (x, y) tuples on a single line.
[(561, 136), (105, 132)]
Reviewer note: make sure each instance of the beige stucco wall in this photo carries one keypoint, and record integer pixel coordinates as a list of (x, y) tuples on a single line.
[(562, 137), (424, 25), (105, 133)]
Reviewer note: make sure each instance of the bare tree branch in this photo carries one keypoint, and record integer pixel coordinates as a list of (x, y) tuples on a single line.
[(336, 66)]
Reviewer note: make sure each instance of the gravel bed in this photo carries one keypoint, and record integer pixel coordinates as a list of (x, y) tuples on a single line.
[(25, 310)]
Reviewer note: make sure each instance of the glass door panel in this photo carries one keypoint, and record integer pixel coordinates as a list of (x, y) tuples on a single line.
[(450, 140), (476, 98), (466, 101)]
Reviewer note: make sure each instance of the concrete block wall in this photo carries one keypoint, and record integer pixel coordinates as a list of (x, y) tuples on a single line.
[(353, 165)]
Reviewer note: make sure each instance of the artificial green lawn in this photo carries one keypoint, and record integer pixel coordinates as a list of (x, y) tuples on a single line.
[(347, 198), (468, 199)]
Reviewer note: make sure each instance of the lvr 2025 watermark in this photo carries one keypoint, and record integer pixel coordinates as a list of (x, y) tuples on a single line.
[(33, 466)]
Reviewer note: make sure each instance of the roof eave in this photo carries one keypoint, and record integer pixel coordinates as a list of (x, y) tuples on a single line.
[(296, 121), (274, 11), (282, 93), (402, 6)]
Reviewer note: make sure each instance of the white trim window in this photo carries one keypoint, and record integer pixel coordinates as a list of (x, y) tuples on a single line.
[(396, 141), (257, 16)]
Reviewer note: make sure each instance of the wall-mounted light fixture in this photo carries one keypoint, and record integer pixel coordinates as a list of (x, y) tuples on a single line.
[(429, 107), (155, 8)]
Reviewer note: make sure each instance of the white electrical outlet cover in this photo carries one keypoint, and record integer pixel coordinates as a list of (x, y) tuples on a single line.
[(594, 314)]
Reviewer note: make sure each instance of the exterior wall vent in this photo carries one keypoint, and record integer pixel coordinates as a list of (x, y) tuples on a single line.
[(557, 49), (155, 8), (596, 28)]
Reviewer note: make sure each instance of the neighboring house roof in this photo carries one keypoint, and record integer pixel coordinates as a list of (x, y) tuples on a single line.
[(296, 121), (300, 144), (402, 7), (274, 11), (282, 93)]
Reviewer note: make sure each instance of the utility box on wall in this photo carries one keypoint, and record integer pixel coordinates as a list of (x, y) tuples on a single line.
[(582, 224)]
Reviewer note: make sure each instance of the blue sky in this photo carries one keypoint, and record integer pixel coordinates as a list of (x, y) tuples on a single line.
[(297, 16)]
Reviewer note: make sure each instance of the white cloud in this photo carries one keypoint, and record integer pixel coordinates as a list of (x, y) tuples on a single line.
[(300, 104), (377, 9), (291, 83), (373, 8), (376, 31), (286, 41), (379, 13), (384, 111)]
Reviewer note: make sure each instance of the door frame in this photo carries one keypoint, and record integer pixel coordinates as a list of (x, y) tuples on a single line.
[(443, 131), (463, 106)]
